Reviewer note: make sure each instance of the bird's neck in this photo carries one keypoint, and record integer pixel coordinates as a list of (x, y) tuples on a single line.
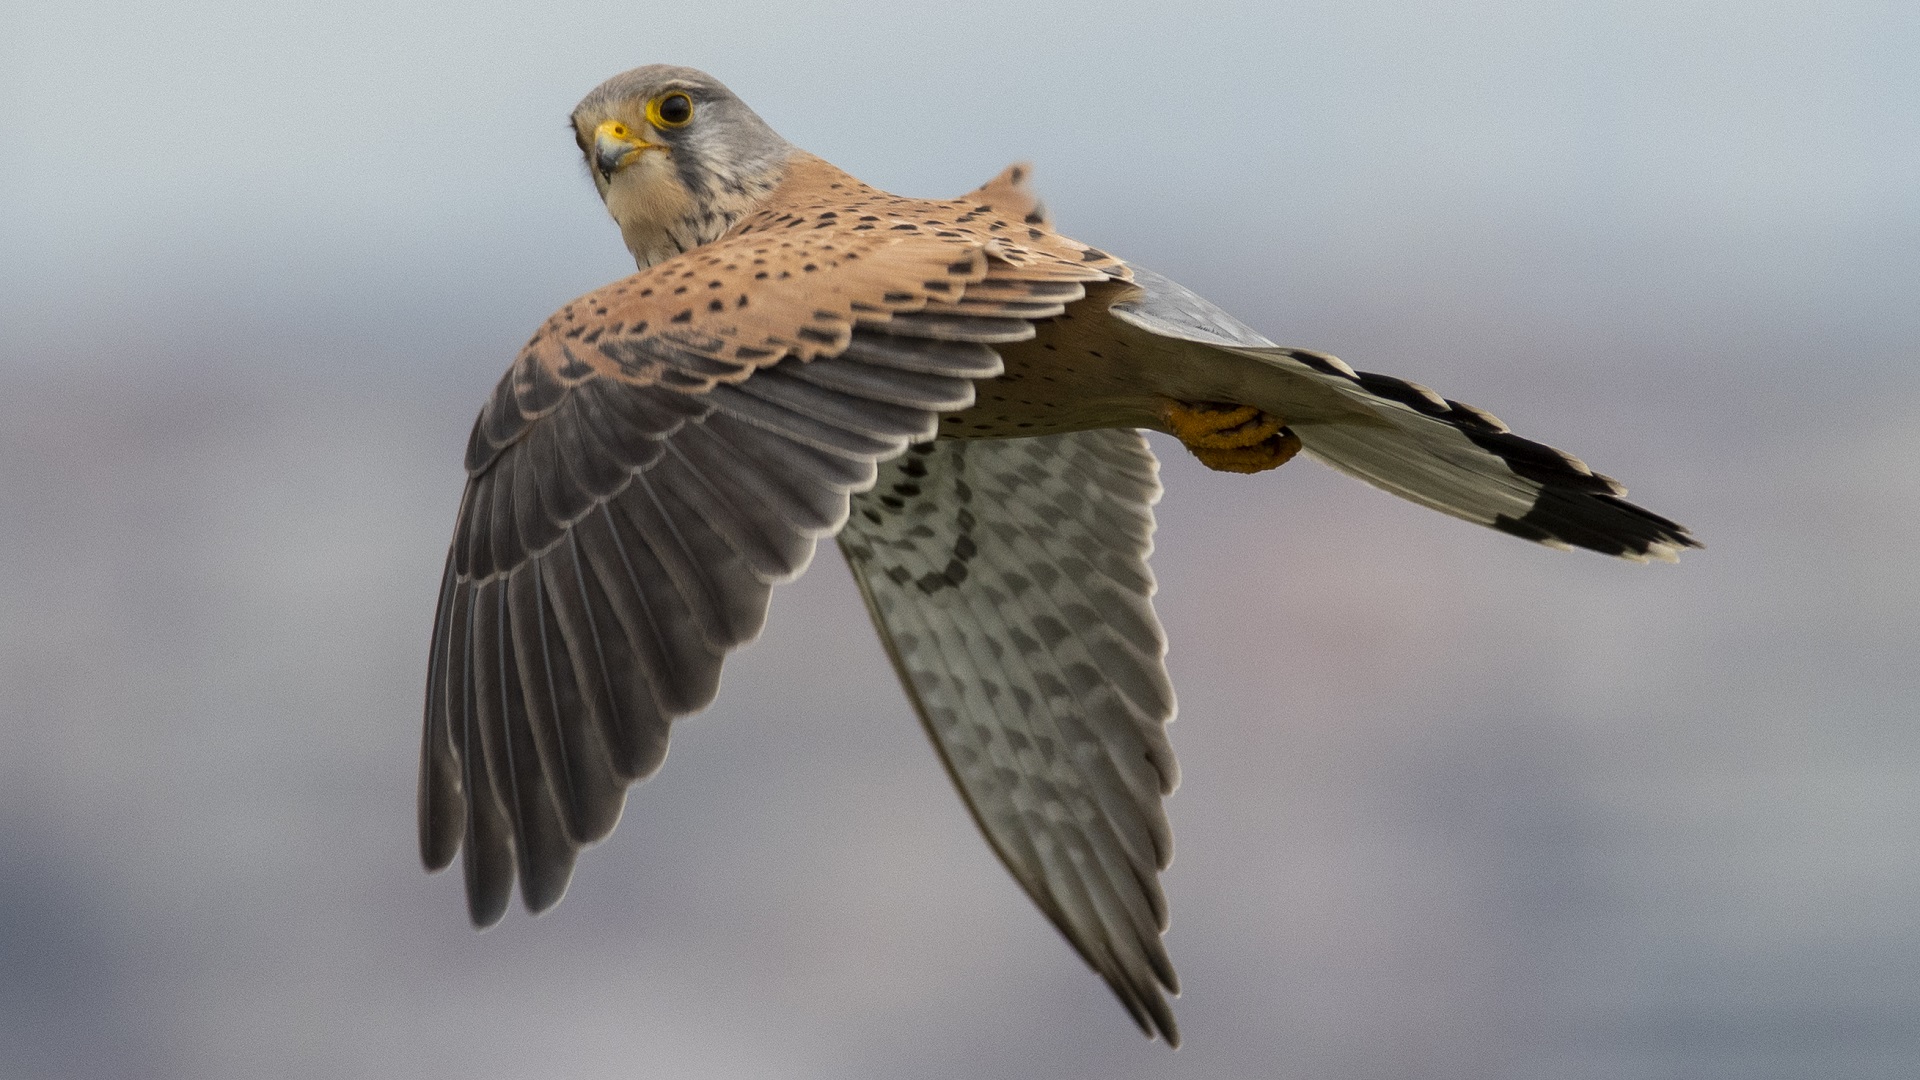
[(666, 216), (806, 183), (669, 213)]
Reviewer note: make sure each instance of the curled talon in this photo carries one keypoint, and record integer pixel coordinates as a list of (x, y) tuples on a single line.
[(1231, 438), (1269, 453)]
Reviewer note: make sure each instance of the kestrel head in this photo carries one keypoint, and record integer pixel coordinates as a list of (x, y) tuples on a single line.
[(676, 156)]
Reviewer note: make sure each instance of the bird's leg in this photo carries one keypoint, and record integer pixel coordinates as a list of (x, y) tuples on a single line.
[(1229, 437)]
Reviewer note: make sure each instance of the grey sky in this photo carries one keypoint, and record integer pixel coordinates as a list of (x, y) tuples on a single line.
[(1453, 806)]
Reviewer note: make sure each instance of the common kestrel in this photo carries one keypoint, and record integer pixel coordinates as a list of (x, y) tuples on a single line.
[(955, 391)]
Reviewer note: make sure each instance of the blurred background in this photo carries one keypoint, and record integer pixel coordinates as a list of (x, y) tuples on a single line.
[(1454, 806)]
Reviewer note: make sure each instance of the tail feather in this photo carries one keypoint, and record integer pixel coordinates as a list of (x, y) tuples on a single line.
[(1463, 461), (1403, 438)]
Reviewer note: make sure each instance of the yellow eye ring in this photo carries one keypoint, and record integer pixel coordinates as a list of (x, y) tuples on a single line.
[(670, 110)]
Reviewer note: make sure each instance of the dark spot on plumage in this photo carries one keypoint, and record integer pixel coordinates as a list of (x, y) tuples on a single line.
[(1095, 353), (1468, 416), (923, 449), (900, 575), (870, 515), (1050, 346), (956, 571), (906, 489), (964, 266), (1541, 463), (829, 215), (591, 336), (906, 226), (937, 286), (892, 502), (810, 268), (1034, 234), (716, 305), (1094, 255), (818, 337), (896, 297), (575, 332), (867, 217), (675, 379), (1035, 218), (761, 276), (914, 467), (685, 316), (1050, 685), (680, 291), (600, 311), (748, 352), (1526, 530), (964, 548), (1415, 397), (741, 301), (646, 292)]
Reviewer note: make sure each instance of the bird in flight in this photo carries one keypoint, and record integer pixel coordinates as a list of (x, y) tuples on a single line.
[(955, 392)]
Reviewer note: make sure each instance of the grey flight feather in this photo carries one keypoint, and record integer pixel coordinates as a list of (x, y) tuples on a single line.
[(608, 554), (1009, 582)]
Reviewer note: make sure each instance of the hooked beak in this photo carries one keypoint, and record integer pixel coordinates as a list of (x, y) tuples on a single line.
[(614, 145)]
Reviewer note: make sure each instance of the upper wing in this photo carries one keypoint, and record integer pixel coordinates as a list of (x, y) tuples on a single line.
[(1011, 195), (1404, 438), (662, 452), (1009, 582)]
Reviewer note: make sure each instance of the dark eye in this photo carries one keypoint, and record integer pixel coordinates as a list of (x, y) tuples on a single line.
[(673, 110)]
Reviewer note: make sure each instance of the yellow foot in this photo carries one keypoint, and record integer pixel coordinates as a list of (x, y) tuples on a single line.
[(1231, 438)]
